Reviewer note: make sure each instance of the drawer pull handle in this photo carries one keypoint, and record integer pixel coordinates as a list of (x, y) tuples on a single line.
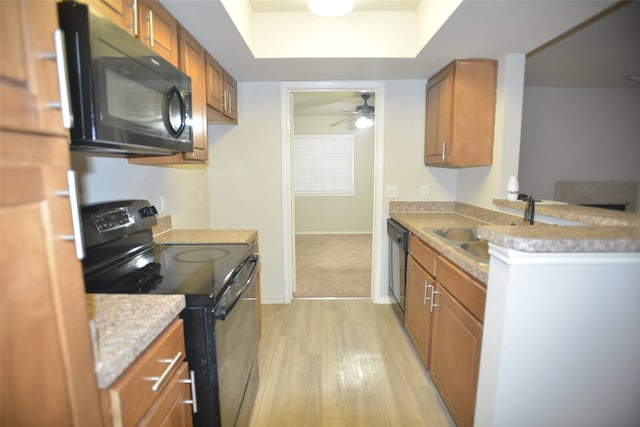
[(433, 296), (194, 400), (426, 289), (159, 380)]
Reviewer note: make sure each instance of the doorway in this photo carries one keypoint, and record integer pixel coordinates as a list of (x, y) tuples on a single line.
[(332, 164), (335, 255)]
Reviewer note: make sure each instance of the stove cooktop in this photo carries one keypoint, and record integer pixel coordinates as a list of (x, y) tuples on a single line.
[(198, 271)]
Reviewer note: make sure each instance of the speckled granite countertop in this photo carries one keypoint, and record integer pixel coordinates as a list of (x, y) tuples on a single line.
[(604, 231), (418, 223), (164, 233), (124, 326), (206, 236)]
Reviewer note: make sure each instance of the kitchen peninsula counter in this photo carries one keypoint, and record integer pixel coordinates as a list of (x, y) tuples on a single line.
[(602, 231)]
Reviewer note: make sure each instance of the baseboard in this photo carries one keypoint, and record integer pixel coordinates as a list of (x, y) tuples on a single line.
[(312, 233)]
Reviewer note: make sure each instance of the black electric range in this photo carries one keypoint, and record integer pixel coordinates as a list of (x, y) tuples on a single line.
[(219, 285)]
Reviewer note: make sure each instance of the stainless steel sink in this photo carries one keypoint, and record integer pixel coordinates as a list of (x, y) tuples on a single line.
[(457, 234), (479, 249)]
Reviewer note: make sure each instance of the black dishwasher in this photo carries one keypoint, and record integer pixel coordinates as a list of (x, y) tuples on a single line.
[(398, 248)]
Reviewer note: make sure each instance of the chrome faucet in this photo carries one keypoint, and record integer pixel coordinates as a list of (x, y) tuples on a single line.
[(530, 210)]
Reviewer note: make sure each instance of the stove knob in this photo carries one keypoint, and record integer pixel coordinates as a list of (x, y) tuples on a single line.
[(148, 211)]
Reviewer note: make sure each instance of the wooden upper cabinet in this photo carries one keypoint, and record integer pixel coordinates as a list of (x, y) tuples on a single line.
[(231, 97), (120, 12), (193, 63), (222, 94), (158, 30), (459, 125), (29, 82)]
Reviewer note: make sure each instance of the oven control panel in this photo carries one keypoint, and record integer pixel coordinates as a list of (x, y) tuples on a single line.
[(113, 219), (105, 222)]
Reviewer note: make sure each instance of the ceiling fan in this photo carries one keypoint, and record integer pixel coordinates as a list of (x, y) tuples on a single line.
[(363, 115)]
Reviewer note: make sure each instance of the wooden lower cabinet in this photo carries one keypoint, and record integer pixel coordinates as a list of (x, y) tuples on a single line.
[(170, 409), (455, 356), (155, 390), (444, 309), (417, 312)]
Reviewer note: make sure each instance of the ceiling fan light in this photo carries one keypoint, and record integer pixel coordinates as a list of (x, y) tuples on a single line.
[(364, 122), (331, 8)]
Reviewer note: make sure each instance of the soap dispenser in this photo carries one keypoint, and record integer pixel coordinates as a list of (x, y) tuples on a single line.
[(512, 189)]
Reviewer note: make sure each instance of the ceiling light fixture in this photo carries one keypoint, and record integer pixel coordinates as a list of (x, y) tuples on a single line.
[(331, 8), (364, 121)]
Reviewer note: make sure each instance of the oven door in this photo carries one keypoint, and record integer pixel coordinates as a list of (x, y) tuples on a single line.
[(237, 349)]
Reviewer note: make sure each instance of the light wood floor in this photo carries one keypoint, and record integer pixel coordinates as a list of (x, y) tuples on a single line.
[(343, 362)]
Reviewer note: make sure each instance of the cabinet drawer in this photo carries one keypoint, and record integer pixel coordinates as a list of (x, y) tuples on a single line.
[(173, 407), (464, 288), (133, 392), (423, 254)]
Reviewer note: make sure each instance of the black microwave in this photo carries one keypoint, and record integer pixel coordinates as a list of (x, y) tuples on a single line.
[(125, 99)]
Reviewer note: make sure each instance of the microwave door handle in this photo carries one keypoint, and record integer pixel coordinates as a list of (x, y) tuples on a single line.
[(172, 94)]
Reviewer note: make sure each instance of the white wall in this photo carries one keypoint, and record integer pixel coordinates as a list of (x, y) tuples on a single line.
[(404, 145), (343, 214), (578, 134), (107, 178), (245, 171), (480, 185)]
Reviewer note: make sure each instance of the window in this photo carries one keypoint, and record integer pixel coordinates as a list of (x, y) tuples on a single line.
[(324, 165)]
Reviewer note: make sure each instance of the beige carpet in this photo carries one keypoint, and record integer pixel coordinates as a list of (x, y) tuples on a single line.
[(333, 265)]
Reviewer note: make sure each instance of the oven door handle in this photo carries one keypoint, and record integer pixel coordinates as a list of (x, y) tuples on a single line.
[(228, 300)]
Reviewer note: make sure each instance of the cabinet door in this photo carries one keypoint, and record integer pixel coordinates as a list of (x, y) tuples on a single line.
[(158, 30), (215, 85), (417, 317), (193, 62), (27, 81), (120, 12), (438, 119), (230, 98), (455, 356)]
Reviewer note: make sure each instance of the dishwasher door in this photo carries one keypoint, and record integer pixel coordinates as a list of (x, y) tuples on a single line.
[(398, 248)]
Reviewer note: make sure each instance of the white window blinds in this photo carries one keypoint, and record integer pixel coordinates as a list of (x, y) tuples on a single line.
[(324, 165)]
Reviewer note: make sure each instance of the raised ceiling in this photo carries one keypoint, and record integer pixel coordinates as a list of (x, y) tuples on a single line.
[(475, 28), (275, 6)]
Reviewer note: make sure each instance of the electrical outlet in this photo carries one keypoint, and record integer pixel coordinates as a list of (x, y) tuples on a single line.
[(424, 192), (392, 191)]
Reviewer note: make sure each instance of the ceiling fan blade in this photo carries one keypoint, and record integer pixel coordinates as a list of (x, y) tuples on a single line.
[(346, 119)]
